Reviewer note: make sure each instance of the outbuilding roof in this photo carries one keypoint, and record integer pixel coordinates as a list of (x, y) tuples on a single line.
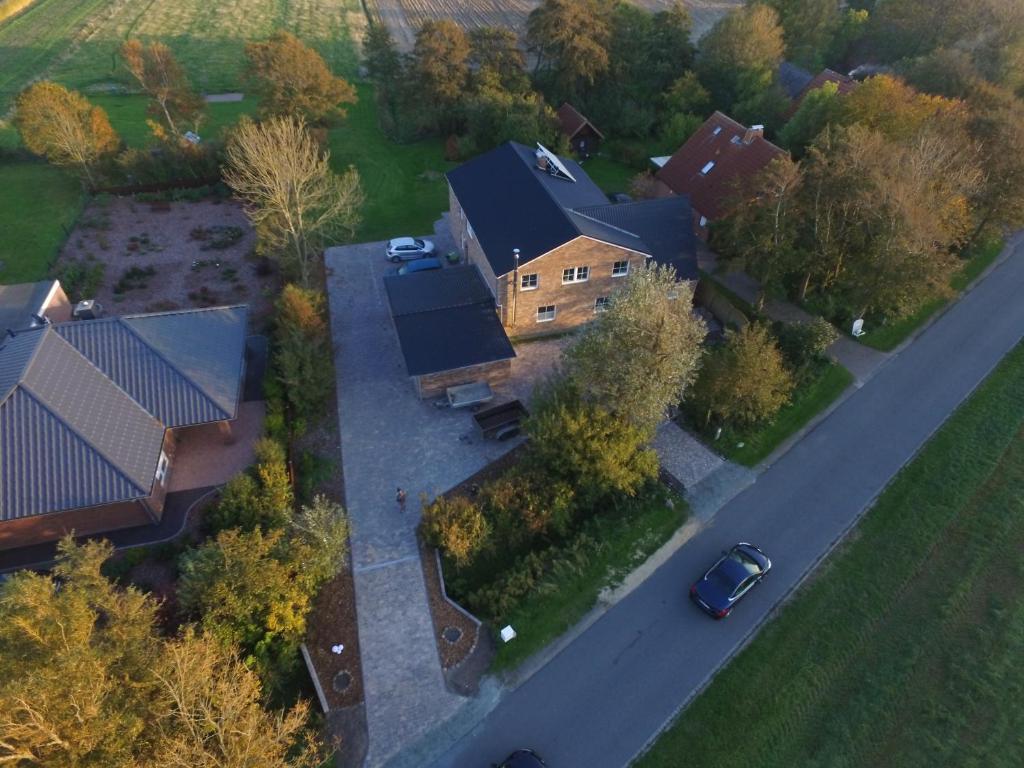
[(793, 79), (572, 122), (84, 405), (446, 319), (715, 162)]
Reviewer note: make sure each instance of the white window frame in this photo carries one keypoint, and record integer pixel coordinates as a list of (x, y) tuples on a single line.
[(625, 270), (601, 304), (708, 167), (718, 130), (579, 275), (536, 282), (469, 230), (162, 465), (541, 318)]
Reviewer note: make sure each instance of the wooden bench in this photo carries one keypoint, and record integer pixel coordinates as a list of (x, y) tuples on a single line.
[(501, 422), (465, 395)]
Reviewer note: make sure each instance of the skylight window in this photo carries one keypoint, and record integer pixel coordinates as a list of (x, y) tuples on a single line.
[(718, 130), (707, 168)]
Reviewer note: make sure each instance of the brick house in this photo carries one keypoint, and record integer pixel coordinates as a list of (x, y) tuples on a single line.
[(714, 164), (27, 305), (91, 413), (549, 246), (798, 82)]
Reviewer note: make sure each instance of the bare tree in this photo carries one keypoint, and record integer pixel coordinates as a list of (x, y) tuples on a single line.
[(296, 201), (64, 127)]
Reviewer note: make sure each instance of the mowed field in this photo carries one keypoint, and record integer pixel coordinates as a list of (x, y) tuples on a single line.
[(404, 17), (75, 41), (906, 649)]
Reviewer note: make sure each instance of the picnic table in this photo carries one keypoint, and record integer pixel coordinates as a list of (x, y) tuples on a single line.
[(501, 422)]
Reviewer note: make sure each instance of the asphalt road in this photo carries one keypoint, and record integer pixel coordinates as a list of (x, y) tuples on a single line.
[(609, 692)]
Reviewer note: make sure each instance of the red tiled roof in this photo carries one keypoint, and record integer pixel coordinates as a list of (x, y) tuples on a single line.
[(572, 121), (846, 85), (720, 141)]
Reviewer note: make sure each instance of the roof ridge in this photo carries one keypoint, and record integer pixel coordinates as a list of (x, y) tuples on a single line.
[(579, 212), (191, 311), (168, 363), (86, 441), (28, 363)]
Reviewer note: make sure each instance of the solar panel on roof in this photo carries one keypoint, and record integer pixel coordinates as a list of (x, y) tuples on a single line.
[(554, 160)]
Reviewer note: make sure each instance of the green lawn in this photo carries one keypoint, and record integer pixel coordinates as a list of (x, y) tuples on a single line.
[(611, 176), (38, 205), (905, 651), (809, 399), (627, 540), (890, 336), (128, 116), (404, 183)]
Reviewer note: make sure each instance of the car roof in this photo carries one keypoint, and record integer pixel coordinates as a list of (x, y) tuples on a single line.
[(732, 570), (402, 241)]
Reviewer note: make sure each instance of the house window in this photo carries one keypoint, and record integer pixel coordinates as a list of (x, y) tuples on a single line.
[(718, 130), (601, 303), (161, 468), (620, 268), (528, 282), (707, 168), (575, 275), (546, 314)]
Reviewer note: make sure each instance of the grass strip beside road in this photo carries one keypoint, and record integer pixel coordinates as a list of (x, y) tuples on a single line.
[(628, 539), (887, 337), (905, 649)]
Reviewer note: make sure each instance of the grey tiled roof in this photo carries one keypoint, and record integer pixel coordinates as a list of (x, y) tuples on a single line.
[(84, 406), (179, 383)]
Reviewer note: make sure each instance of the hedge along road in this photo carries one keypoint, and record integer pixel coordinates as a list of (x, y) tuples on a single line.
[(608, 693)]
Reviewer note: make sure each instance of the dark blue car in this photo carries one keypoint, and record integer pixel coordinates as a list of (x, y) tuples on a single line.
[(730, 579)]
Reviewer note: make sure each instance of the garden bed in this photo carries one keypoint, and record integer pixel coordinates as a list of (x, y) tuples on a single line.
[(455, 632), (158, 256), (332, 622)]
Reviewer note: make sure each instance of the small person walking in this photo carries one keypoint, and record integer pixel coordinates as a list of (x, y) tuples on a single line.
[(400, 498)]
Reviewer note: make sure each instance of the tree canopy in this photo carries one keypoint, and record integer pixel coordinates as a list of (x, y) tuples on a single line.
[(570, 39), (173, 101), (739, 56)]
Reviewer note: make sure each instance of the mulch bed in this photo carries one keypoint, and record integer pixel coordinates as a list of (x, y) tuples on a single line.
[(449, 622), (331, 622)]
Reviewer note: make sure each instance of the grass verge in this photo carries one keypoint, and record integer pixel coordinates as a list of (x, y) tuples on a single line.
[(809, 399), (887, 337), (38, 206), (905, 650), (627, 539)]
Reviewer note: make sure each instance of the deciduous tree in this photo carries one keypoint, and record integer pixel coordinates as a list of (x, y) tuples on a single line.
[(160, 76), (296, 201), (809, 28), (456, 526), (495, 115), (570, 39), (302, 345), (738, 58), (290, 78), (744, 382), (64, 127), (321, 531), (384, 66), (495, 52), (637, 357), (439, 67), (820, 108)]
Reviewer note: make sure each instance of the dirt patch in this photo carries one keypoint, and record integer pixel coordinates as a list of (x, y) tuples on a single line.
[(164, 256), (455, 633), (332, 623)]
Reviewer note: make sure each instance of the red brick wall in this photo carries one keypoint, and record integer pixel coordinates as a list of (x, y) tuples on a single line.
[(435, 384), (87, 520)]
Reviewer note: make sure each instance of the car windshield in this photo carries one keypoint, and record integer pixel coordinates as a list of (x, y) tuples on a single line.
[(417, 243), (749, 564)]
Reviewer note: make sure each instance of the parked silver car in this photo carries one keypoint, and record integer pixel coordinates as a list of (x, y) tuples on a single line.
[(408, 248)]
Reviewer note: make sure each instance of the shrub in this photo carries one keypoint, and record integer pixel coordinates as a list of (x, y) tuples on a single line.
[(260, 498), (302, 359), (524, 503), (802, 344), (455, 525), (80, 279)]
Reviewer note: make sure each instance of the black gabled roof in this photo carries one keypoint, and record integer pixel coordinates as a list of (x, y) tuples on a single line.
[(793, 79), (446, 319), (510, 204), (665, 225)]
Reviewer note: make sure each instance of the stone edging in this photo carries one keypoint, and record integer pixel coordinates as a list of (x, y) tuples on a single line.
[(316, 678), (476, 622)]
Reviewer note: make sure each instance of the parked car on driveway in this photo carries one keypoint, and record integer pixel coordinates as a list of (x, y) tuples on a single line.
[(408, 248), (420, 265), (730, 579), (523, 758)]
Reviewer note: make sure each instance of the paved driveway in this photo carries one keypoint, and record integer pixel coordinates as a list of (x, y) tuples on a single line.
[(390, 438), (600, 700)]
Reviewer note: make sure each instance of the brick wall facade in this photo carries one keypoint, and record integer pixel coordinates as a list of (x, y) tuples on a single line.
[(574, 302), (435, 384)]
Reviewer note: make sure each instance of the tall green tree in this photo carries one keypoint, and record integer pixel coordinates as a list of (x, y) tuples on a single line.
[(809, 27), (302, 351), (637, 358), (495, 54), (494, 115), (819, 109), (999, 199), (385, 68), (439, 69), (570, 39), (739, 56), (174, 103)]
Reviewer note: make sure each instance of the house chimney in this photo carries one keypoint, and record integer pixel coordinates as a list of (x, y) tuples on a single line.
[(752, 131), (542, 161)]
